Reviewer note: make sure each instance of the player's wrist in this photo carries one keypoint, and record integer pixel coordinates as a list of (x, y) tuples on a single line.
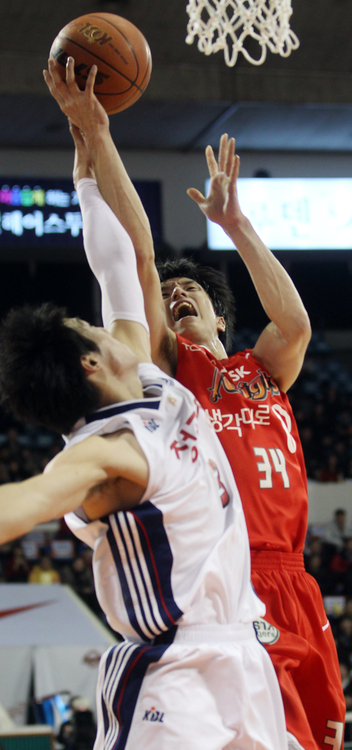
[(238, 225), (96, 133)]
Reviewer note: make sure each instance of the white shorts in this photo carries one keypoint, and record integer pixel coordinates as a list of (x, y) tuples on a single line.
[(212, 688)]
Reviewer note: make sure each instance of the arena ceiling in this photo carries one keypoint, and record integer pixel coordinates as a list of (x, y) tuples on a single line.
[(303, 102)]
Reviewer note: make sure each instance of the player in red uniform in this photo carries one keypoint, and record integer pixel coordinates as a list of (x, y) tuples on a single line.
[(245, 396)]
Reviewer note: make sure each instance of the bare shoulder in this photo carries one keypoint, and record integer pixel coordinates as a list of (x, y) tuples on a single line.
[(111, 472), (125, 440), (108, 450), (85, 450), (126, 476)]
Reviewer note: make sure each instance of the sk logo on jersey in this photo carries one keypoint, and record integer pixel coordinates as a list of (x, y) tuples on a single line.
[(239, 373), (266, 633), (256, 389)]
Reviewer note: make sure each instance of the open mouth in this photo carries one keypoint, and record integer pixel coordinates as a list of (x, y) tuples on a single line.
[(182, 310)]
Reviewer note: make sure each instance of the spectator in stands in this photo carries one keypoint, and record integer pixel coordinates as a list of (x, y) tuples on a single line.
[(347, 691), (17, 567), (80, 731), (4, 473), (322, 575), (342, 452), (320, 420), (348, 583), (314, 546), (346, 683), (349, 470), (344, 639), (29, 464), (44, 572), (79, 575), (348, 608), (310, 448), (5, 553), (14, 469), (331, 472), (340, 564), (336, 530), (12, 444)]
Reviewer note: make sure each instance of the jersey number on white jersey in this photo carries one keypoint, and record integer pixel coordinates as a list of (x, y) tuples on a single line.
[(223, 493)]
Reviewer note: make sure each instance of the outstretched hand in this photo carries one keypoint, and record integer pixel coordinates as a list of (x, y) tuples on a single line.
[(221, 205), (81, 107)]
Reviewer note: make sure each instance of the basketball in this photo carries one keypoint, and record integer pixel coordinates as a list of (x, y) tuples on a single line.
[(116, 46)]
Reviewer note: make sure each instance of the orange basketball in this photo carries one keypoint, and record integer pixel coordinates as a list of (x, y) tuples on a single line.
[(116, 46)]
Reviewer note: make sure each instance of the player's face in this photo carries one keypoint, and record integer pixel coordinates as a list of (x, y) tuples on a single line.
[(189, 309)]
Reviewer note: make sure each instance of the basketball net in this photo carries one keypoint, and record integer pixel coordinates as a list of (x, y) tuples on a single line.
[(225, 25)]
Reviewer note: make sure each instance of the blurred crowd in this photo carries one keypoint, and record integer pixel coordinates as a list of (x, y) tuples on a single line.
[(50, 557)]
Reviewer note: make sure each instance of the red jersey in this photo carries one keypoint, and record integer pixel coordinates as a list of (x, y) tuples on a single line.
[(256, 426)]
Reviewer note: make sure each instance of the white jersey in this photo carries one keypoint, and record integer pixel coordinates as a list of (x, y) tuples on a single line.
[(181, 556)]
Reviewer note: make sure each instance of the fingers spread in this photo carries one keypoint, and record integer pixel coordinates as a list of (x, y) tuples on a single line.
[(91, 79), (234, 175), (196, 195), (53, 88), (211, 161), (230, 157), (54, 73), (70, 72), (223, 149)]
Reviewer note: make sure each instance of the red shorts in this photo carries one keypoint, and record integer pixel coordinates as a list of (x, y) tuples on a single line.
[(303, 653)]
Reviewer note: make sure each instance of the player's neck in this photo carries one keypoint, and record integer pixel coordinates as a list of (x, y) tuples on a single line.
[(127, 387), (212, 344)]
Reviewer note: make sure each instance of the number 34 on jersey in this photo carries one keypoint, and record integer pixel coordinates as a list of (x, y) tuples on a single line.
[(271, 463)]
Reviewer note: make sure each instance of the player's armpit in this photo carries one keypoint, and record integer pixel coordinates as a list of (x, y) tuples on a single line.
[(67, 482), (100, 461), (281, 357), (127, 475)]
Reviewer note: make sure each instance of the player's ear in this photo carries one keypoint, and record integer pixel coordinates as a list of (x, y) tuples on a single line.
[(221, 324), (90, 362)]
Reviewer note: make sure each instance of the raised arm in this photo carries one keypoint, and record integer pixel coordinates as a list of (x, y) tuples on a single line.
[(84, 110), (69, 481), (282, 345), (110, 254)]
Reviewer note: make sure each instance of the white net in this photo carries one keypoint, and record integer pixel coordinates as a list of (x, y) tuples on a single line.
[(226, 24)]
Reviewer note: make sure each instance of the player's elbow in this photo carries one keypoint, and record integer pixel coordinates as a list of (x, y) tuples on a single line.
[(145, 255), (147, 272), (297, 332), (302, 330)]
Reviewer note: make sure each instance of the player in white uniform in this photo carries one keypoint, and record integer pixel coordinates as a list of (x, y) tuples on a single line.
[(146, 483), (175, 570)]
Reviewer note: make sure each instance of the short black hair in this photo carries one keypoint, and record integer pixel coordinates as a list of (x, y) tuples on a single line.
[(42, 380), (213, 282)]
